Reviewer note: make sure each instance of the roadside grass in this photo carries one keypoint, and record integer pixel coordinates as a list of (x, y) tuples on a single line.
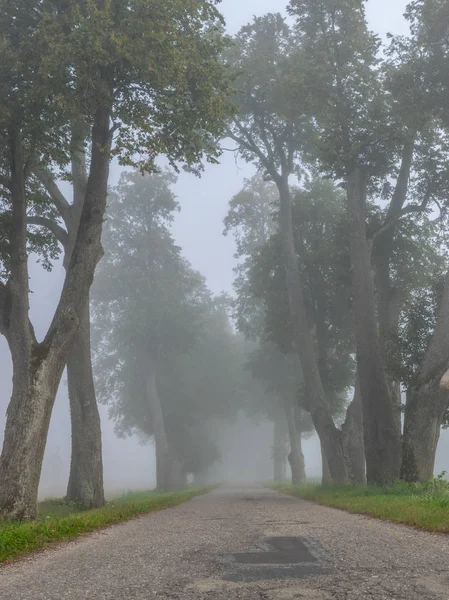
[(61, 521), (424, 505)]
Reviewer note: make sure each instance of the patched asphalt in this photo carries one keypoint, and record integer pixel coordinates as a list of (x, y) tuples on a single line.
[(239, 544)]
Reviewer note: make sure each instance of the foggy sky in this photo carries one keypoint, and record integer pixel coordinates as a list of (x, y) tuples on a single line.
[(204, 202)]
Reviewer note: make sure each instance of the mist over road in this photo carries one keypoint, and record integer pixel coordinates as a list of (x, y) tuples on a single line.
[(239, 544)]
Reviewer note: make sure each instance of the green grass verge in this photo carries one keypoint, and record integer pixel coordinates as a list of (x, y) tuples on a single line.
[(60, 521), (421, 505)]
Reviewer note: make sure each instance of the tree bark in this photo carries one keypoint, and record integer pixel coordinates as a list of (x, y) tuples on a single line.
[(318, 406), (295, 457), (326, 478), (427, 402), (168, 468), (390, 299), (353, 439), (38, 367), (381, 435), (279, 451), (85, 485), (424, 414)]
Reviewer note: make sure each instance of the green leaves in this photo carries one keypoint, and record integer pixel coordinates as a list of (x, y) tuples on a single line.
[(272, 124), (157, 65), (342, 76), (151, 310)]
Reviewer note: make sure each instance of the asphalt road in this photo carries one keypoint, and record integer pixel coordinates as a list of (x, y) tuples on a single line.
[(239, 544)]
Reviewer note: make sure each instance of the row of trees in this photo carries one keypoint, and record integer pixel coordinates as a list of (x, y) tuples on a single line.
[(166, 359), (337, 238), (83, 83), (354, 278)]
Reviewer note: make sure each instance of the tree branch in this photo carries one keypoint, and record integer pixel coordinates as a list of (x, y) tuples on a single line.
[(5, 182), (48, 181), (249, 145), (60, 233), (407, 210)]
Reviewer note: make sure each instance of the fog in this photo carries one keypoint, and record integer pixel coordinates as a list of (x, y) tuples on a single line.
[(246, 446)]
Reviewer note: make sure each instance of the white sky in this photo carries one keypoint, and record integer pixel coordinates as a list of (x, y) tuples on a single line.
[(204, 201)]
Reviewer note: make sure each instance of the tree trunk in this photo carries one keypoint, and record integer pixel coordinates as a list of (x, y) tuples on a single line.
[(295, 457), (28, 420), (85, 485), (38, 367), (427, 402), (200, 479), (168, 468), (326, 478), (381, 435), (353, 439), (390, 299), (279, 451), (318, 405), (425, 410)]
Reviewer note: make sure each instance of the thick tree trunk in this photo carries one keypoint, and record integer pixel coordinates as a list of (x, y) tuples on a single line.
[(38, 367), (279, 451), (390, 299), (427, 402), (168, 468), (326, 478), (85, 484), (318, 405), (353, 439), (86, 468), (381, 435), (28, 420), (35, 376), (425, 410), (295, 457)]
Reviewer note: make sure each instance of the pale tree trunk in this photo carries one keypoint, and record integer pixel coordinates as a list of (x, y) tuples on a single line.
[(168, 468), (28, 420), (427, 402), (318, 405), (381, 436), (390, 299), (353, 438), (38, 367), (279, 451), (295, 457), (85, 485)]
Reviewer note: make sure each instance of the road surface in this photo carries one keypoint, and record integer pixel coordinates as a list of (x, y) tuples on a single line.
[(239, 544)]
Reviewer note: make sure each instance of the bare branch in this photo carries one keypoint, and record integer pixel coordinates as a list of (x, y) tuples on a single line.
[(60, 233), (48, 181), (246, 141)]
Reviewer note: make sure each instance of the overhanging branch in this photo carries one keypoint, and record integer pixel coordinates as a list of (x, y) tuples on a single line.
[(244, 140), (48, 181), (407, 210), (60, 233)]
